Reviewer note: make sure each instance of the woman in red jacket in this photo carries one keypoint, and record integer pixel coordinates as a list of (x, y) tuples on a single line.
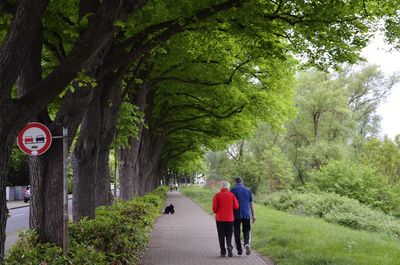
[(224, 202)]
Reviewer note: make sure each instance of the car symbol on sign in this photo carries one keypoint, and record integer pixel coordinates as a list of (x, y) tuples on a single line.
[(40, 139), (28, 140)]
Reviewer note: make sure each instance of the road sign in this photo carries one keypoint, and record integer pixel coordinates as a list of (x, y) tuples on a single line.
[(34, 139)]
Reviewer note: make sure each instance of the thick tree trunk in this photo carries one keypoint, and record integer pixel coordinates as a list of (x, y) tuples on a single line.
[(84, 161), (127, 162), (87, 148), (12, 57), (36, 211), (103, 195), (5, 152), (31, 75), (149, 160), (110, 105), (129, 170)]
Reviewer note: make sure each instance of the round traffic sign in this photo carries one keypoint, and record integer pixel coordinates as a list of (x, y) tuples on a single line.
[(34, 139)]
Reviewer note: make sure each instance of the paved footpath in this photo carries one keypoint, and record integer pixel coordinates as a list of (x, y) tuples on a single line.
[(189, 237)]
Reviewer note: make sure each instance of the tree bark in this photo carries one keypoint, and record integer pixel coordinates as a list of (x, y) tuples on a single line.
[(84, 161), (5, 152), (86, 152), (127, 162), (110, 106), (12, 55), (30, 76), (129, 170), (149, 160)]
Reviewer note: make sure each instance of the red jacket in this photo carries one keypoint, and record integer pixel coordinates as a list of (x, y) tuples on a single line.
[(224, 202)]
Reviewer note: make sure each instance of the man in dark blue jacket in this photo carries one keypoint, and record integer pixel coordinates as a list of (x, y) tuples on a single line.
[(243, 215)]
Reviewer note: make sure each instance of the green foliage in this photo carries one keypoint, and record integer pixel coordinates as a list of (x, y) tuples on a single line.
[(30, 251), (5, 23), (122, 231), (260, 161), (118, 235), (129, 119), (384, 155), (356, 181), (334, 209), (218, 165), (213, 89)]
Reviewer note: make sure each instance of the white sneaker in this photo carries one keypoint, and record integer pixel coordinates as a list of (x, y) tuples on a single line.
[(248, 250)]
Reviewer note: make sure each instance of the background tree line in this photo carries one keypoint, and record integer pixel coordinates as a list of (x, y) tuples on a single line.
[(332, 144)]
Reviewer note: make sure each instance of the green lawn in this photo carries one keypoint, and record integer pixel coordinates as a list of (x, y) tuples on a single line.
[(298, 240)]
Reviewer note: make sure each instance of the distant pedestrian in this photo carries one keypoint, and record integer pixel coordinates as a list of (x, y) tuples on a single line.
[(224, 203), (243, 215)]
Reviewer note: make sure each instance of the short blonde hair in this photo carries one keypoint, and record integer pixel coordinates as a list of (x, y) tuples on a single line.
[(224, 184)]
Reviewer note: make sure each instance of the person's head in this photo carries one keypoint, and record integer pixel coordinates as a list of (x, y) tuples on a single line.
[(224, 184), (238, 180)]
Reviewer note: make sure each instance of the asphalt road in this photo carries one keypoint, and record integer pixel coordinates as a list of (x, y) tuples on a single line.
[(19, 220)]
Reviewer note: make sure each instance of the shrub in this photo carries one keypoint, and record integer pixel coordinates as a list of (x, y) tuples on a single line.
[(121, 231), (356, 181), (29, 251), (334, 209), (118, 235)]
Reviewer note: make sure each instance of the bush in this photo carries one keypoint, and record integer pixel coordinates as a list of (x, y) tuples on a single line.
[(29, 251), (118, 235), (357, 182), (334, 209), (121, 231)]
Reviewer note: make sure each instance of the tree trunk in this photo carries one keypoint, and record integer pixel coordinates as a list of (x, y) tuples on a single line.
[(149, 160), (91, 175), (5, 153), (129, 170), (127, 162), (103, 195), (110, 106), (12, 57), (31, 75), (316, 117), (84, 161)]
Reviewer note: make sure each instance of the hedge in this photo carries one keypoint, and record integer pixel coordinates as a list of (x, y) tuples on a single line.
[(119, 236)]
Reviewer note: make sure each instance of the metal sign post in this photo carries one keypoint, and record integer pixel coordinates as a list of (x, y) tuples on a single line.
[(65, 193), (65, 190)]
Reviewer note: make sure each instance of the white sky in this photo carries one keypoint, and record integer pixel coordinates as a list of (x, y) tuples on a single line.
[(389, 61)]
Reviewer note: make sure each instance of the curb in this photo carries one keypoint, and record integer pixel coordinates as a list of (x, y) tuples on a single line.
[(17, 207), (26, 205)]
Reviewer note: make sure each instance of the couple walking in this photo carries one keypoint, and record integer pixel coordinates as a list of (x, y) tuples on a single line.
[(233, 210)]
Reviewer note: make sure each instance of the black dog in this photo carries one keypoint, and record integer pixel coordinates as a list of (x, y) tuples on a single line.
[(169, 209)]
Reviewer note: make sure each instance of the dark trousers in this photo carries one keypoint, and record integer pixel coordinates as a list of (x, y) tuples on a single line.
[(225, 230), (246, 232)]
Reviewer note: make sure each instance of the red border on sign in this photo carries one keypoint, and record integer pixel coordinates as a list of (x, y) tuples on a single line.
[(46, 145)]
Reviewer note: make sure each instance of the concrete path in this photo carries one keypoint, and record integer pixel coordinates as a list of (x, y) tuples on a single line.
[(189, 237)]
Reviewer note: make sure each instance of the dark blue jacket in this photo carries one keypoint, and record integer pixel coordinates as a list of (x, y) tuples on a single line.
[(245, 199)]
